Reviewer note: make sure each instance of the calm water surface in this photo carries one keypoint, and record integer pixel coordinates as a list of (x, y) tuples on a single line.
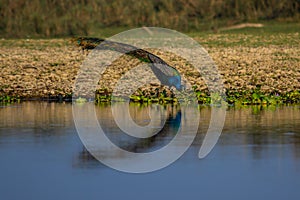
[(256, 157)]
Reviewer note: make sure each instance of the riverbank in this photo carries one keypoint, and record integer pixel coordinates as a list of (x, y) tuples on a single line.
[(254, 68)]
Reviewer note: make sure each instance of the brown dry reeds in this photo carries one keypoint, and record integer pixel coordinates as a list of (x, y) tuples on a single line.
[(24, 18)]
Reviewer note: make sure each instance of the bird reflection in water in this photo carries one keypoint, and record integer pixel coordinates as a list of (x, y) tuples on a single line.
[(134, 144)]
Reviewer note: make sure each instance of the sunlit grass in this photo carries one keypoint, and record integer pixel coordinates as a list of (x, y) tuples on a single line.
[(248, 54)]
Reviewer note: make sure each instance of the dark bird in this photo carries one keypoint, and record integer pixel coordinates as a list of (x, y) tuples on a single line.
[(165, 73)]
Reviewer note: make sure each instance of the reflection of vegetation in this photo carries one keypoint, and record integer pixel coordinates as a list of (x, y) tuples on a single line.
[(257, 109)]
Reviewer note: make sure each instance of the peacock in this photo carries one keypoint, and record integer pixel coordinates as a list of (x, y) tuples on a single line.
[(165, 73)]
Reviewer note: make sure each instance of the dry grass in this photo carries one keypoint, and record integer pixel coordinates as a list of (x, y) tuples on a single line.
[(42, 68)]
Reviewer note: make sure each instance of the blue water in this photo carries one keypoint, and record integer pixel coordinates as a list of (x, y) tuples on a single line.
[(256, 157)]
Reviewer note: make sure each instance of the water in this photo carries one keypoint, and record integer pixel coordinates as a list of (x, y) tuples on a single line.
[(256, 157)]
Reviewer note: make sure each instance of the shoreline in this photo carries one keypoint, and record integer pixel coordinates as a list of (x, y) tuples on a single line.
[(47, 68)]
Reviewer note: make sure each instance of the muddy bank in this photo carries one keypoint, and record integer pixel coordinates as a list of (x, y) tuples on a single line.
[(48, 68)]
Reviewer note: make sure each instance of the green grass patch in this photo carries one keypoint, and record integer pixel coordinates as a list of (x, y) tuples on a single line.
[(36, 44), (283, 34), (232, 97), (9, 99)]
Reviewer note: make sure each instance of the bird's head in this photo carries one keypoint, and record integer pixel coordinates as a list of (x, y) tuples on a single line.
[(79, 40), (176, 82)]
